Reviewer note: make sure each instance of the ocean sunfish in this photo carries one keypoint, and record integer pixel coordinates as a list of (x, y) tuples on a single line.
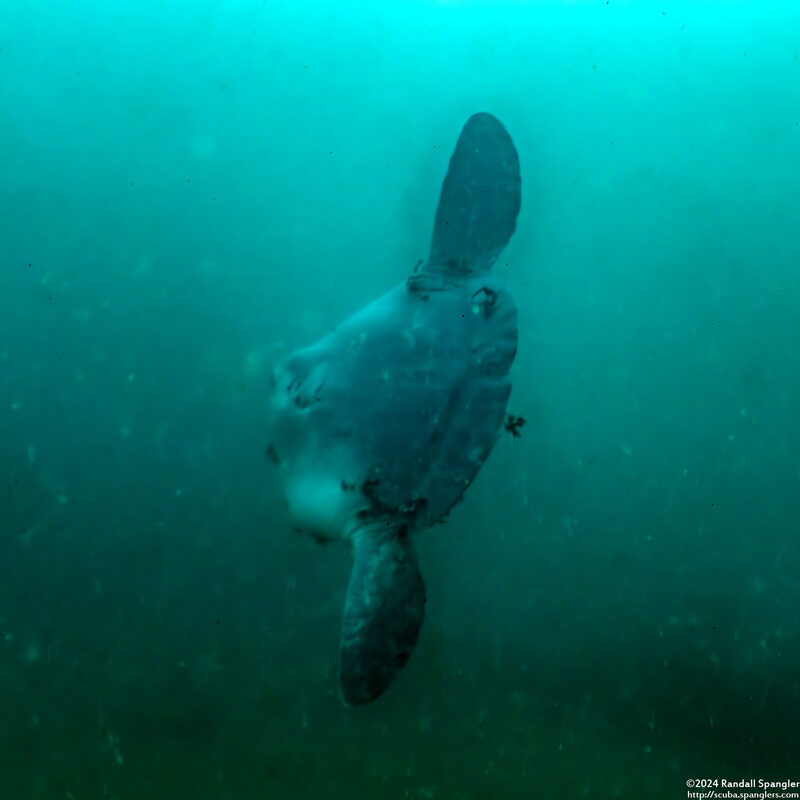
[(380, 426)]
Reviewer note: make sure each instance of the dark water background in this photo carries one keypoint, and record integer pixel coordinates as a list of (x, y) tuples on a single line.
[(189, 191)]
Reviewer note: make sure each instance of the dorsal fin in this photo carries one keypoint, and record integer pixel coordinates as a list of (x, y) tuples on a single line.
[(480, 200)]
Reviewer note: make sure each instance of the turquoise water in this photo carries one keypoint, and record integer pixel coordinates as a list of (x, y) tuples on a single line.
[(191, 191)]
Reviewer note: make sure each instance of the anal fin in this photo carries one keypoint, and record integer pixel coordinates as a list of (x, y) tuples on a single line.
[(383, 613)]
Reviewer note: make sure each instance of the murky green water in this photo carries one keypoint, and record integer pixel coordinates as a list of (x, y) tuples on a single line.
[(192, 191)]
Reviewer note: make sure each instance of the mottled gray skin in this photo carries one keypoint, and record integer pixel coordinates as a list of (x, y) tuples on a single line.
[(381, 426)]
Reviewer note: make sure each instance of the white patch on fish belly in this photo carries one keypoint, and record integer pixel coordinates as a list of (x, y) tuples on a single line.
[(319, 505)]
